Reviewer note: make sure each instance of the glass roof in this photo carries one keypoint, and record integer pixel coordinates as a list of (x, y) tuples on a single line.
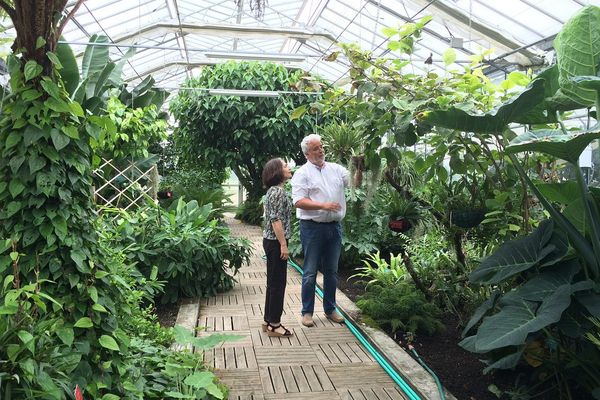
[(174, 38)]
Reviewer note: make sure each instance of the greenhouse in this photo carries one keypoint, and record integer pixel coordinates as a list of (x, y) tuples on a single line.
[(302, 199)]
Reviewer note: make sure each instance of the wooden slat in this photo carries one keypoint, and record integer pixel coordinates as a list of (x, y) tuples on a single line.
[(300, 378), (299, 355), (290, 383), (358, 376), (329, 395), (277, 380)]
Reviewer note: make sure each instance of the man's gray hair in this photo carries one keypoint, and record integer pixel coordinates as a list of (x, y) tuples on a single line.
[(307, 139)]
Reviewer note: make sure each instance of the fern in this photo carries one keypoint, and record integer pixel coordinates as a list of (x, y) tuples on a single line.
[(400, 307)]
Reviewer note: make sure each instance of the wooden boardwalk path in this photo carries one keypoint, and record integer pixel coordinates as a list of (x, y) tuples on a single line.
[(322, 362)]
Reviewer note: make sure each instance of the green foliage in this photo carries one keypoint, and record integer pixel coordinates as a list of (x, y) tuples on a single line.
[(341, 141), (241, 133), (401, 307), (548, 281), (199, 185), (363, 227), (250, 212), (195, 254), (379, 271), (136, 129)]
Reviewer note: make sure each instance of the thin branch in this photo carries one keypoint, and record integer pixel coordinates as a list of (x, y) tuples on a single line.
[(9, 10), (67, 18)]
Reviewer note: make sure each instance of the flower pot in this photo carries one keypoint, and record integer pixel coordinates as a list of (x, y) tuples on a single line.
[(467, 218), (399, 225)]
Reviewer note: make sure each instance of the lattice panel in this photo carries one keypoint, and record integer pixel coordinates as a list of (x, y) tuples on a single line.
[(124, 188)]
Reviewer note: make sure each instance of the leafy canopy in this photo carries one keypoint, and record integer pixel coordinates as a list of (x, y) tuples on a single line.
[(241, 133)]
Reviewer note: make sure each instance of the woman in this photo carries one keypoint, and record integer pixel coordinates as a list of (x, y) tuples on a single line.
[(276, 232)]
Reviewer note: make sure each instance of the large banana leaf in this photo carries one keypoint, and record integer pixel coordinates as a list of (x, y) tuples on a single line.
[(94, 57), (566, 146), (513, 323), (577, 48), (520, 255), (70, 70), (495, 121)]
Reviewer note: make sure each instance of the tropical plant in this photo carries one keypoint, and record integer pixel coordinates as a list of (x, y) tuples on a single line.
[(400, 308), (193, 253), (240, 132), (379, 271), (341, 141), (548, 280)]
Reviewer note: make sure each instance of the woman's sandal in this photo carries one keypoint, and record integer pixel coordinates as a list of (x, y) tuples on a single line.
[(264, 326), (271, 331)]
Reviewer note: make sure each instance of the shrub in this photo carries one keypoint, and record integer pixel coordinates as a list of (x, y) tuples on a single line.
[(194, 253), (400, 307)]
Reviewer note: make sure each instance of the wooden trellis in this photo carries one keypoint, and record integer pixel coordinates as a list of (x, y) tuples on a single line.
[(124, 187)]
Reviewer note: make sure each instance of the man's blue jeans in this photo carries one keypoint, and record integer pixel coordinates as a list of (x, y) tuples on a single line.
[(322, 244)]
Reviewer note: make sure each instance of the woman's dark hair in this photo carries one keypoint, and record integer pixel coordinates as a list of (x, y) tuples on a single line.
[(272, 174)]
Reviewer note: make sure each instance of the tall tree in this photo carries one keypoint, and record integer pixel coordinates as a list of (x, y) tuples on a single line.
[(241, 132)]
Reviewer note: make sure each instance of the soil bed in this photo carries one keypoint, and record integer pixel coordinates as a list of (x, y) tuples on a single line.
[(459, 371), (167, 314)]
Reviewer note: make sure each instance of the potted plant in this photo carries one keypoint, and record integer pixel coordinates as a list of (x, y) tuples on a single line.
[(403, 213), (466, 208)]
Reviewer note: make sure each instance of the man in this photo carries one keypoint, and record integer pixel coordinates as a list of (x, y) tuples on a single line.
[(318, 194)]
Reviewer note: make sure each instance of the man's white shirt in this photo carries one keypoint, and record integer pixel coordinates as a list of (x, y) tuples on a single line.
[(324, 184)]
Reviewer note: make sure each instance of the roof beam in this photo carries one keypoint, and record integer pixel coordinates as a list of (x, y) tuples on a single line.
[(442, 10), (229, 30)]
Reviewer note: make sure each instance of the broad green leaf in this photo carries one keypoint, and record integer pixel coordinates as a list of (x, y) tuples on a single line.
[(94, 57), (517, 256), (507, 362), (214, 390), (70, 70), (76, 109), (108, 342), (547, 282), (481, 311), (514, 322), (493, 122), (109, 396), (199, 380), (66, 335), (36, 163), (59, 139), (577, 48), (13, 139), (71, 131), (99, 307), (449, 56), (84, 322), (79, 257), (566, 146), (298, 112), (57, 105), (40, 42), (15, 187), (32, 69), (93, 292), (54, 59), (27, 339), (563, 193), (51, 88)]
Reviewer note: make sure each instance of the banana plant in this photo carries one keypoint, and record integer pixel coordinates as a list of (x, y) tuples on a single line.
[(547, 283), (100, 77)]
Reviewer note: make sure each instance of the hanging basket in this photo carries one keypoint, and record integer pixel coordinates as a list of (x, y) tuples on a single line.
[(399, 225), (467, 218)]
